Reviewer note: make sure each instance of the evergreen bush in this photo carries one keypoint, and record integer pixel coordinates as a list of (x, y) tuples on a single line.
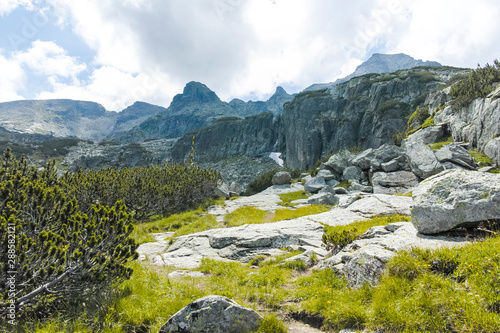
[(51, 252), (479, 83)]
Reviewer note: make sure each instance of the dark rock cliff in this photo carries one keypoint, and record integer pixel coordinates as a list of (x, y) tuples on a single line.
[(365, 111), (253, 136)]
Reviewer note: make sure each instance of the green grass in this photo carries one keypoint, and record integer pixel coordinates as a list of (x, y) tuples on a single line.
[(481, 158), (341, 235), (438, 145), (345, 184), (252, 215), (287, 198), (446, 290), (150, 298), (181, 224)]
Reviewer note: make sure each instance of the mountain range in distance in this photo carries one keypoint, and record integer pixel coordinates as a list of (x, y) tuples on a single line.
[(196, 107)]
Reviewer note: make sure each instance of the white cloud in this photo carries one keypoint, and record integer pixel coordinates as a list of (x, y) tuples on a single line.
[(115, 89), (6, 6), (12, 79), (245, 48), (49, 59), (452, 32)]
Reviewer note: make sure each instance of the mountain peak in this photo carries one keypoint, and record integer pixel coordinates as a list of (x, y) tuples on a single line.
[(194, 92), (280, 91), (378, 63), (386, 63)]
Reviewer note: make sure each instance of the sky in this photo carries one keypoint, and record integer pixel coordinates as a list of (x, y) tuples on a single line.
[(116, 52)]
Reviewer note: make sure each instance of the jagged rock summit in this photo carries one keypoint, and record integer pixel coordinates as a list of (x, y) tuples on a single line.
[(378, 63), (194, 92)]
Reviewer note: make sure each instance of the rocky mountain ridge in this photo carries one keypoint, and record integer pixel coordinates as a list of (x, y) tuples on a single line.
[(378, 63), (69, 118), (198, 107)]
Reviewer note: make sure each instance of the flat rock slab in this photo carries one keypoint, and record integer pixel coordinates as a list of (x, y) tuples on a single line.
[(267, 200), (365, 207), (244, 242), (365, 259)]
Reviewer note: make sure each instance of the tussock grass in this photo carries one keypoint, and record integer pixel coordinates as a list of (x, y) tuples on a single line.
[(444, 290), (481, 158)]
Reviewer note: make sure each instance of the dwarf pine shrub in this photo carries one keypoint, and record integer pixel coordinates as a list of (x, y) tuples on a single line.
[(50, 251)]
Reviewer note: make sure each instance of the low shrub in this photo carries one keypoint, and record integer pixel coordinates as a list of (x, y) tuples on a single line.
[(479, 83)]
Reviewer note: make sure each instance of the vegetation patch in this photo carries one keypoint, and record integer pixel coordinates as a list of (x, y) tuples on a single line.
[(479, 83), (180, 224), (252, 215), (438, 145), (392, 105), (287, 198), (336, 237), (418, 120), (481, 158)]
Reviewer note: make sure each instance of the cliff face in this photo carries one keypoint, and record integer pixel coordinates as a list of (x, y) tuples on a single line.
[(253, 136), (478, 123), (365, 111)]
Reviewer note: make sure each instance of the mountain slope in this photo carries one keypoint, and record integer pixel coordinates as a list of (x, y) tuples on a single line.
[(378, 63), (70, 118)]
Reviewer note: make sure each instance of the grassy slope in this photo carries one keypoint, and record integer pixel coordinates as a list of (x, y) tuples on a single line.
[(438, 291)]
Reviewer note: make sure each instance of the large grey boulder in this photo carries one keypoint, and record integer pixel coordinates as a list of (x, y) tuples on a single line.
[(364, 159), (365, 259), (422, 160), (282, 178), (326, 174), (429, 135), (315, 184), (338, 162), (492, 149), (455, 198), (324, 198), (235, 188), (394, 182), (222, 190), (214, 314), (456, 154), (352, 173)]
